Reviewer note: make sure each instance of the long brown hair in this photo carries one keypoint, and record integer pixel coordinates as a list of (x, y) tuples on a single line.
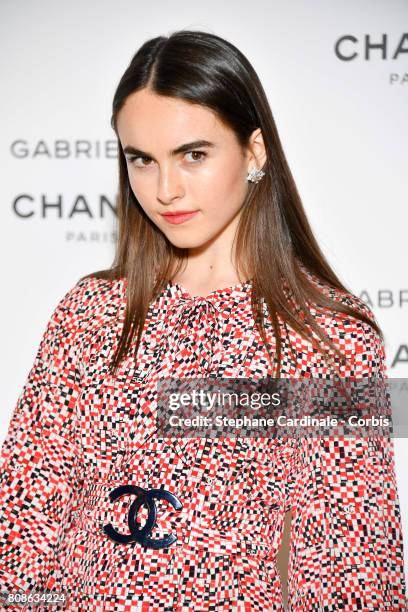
[(275, 244)]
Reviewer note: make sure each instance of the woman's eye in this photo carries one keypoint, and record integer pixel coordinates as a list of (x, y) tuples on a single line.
[(201, 153), (142, 165)]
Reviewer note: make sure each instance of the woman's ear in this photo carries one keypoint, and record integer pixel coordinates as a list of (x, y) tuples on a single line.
[(256, 150)]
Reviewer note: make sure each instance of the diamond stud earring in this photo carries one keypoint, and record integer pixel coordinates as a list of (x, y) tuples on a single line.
[(255, 175)]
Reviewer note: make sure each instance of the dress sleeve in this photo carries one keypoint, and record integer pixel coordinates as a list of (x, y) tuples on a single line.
[(39, 457), (346, 548)]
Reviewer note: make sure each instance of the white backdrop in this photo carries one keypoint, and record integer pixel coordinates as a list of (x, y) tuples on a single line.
[(342, 118)]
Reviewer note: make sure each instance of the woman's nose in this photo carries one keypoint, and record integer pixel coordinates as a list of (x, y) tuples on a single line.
[(169, 184)]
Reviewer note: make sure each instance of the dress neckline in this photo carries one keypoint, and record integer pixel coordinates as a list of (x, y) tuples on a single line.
[(237, 288)]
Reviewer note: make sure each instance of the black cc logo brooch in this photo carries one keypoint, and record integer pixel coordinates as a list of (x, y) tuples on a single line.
[(144, 497)]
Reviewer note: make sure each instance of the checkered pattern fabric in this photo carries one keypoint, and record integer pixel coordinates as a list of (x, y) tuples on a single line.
[(77, 432)]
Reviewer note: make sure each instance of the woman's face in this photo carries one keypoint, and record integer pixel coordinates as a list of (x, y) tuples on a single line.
[(207, 178)]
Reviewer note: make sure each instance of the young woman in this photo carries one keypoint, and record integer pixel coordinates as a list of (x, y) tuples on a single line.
[(217, 274)]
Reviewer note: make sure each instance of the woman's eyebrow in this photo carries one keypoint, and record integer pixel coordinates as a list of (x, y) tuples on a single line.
[(181, 149)]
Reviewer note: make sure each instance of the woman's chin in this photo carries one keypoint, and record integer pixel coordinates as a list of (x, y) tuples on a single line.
[(187, 241)]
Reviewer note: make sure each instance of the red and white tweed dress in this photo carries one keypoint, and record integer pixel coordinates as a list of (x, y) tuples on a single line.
[(77, 433)]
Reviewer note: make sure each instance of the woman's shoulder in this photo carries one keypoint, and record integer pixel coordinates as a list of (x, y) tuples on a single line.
[(342, 296), (357, 339), (93, 297)]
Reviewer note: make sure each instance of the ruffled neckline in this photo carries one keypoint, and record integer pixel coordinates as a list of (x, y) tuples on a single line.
[(238, 290)]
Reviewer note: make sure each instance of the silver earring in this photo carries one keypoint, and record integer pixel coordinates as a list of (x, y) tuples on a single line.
[(255, 175)]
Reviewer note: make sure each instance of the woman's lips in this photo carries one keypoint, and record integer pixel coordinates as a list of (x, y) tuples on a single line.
[(175, 219)]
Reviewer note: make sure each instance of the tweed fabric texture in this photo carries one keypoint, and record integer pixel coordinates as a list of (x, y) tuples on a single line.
[(77, 432)]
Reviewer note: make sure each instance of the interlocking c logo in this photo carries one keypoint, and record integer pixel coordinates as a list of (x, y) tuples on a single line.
[(144, 497)]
